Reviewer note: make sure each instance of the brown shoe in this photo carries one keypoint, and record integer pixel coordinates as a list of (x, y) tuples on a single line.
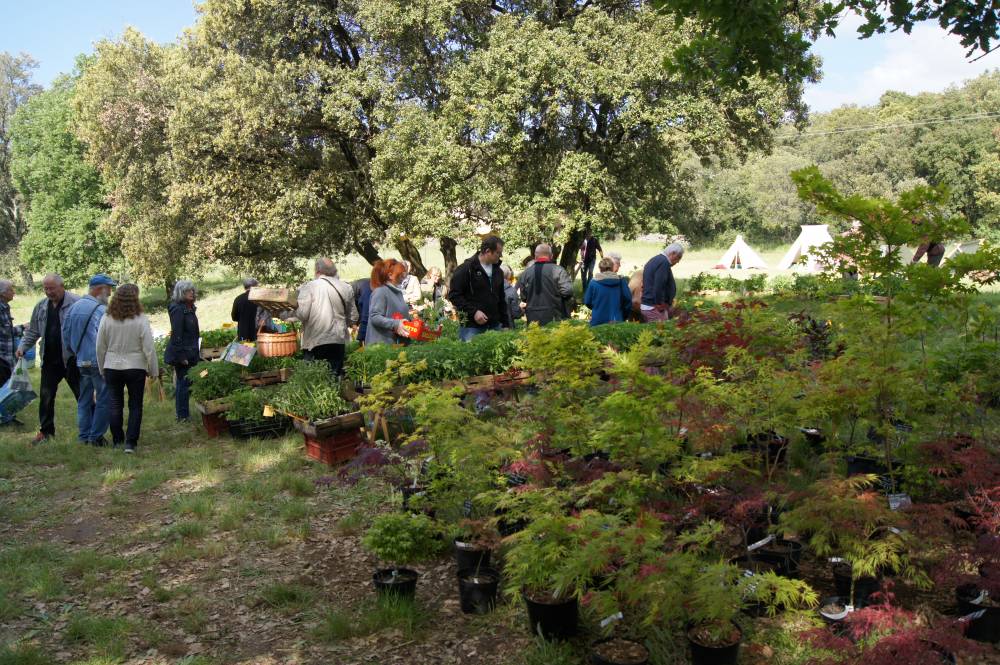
[(41, 437)]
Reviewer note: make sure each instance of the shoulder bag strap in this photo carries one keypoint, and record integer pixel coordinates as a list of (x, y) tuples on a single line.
[(342, 301), (83, 333)]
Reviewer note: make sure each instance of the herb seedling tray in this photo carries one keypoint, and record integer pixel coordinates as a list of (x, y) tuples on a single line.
[(212, 406), (323, 428), (267, 378)]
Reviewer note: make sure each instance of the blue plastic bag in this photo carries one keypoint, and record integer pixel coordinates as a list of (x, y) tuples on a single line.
[(17, 393)]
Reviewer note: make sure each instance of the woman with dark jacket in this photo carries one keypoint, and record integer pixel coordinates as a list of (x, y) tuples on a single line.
[(387, 308), (182, 351)]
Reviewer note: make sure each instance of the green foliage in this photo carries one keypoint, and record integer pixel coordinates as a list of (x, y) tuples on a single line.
[(312, 392), (64, 195), (247, 404), (566, 357), (217, 338), (704, 281), (490, 353), (401, 538), (214, 380), (288, 598)]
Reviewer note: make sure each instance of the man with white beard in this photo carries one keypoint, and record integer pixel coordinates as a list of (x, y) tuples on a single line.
[(79, 337)]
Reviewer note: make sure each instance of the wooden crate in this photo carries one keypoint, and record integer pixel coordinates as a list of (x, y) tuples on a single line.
[(212, 352), (274, 301), (323, 428), (268, 378), (212, 406)]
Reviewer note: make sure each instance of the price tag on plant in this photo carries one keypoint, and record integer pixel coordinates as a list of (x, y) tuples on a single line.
[(617, 616), (760, 543)]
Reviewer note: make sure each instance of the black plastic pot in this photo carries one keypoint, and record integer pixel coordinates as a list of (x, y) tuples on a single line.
[(859, 464), (510, 527), (984, 618), (787, 554), (399, 582), (709, 655), (409, 492), (597, 454), (477, 590), (863, 587), (640, 657), (813, 437), (772, 444), (469, 555), (554, 619)]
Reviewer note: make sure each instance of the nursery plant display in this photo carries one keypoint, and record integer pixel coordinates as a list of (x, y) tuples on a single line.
[(312, 393), (400, 539)]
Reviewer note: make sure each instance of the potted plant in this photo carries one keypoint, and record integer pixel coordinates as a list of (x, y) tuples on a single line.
[(400, 539)]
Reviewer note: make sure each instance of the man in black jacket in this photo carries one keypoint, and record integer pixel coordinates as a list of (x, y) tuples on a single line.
[(477, 291), (246, 313)]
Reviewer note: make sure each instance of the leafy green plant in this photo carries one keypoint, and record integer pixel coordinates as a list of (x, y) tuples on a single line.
[(401, 538), (248, 405), (217, 338), (312, 392), (214, 380)]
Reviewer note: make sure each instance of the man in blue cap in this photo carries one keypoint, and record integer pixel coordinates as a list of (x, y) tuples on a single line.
[(79, 337)]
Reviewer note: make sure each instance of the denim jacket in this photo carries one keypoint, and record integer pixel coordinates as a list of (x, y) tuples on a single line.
[(87, 311)]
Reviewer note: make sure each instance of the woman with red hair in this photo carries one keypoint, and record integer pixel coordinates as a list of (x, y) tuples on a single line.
[(387, 308)]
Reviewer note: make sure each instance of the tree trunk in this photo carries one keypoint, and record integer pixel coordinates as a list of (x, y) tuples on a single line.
[(168, 286), (26, 276), (367, 250), (411, 253), (449, 250), (567, 259)]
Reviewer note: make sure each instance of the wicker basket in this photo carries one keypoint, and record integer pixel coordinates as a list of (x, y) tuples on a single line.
[(277, 345)]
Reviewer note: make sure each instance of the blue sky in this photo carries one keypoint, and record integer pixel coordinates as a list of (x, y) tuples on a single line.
[(855, 71)]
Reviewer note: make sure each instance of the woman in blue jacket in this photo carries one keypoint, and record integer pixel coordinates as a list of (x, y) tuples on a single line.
[(608, 295)]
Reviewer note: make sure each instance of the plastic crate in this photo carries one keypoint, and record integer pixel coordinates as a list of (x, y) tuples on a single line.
[(335, 449), (270, 428)]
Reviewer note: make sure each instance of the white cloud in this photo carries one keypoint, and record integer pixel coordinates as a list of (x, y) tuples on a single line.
[(926, 60)]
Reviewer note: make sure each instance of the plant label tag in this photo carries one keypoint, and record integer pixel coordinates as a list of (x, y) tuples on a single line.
[(467, 508), (459, 544), (617, 616), (760, 543), (974, 616), (849, 608), (268, 411), (981, 598), (203, 373), (897, 501)]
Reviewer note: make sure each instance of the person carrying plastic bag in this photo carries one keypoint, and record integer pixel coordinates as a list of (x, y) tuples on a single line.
[(7, 335), (16, 394)]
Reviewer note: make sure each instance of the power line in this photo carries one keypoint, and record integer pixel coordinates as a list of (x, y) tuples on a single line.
[(902, 125)]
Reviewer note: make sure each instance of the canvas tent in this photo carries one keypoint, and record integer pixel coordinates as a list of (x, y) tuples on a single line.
[(741, 255), (810, 238), (968, 247)]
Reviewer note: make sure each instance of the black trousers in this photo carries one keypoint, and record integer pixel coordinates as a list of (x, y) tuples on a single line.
[(331, 353), (118, 380), (5, 372), (53, 372)]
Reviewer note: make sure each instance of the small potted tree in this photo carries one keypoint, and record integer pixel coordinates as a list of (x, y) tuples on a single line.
[(400, 539)]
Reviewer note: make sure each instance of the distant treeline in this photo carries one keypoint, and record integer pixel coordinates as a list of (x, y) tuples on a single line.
[(904, 140)]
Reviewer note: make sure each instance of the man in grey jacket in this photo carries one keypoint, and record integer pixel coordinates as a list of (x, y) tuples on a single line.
[(546, 288), (327, 311), (46, 329)]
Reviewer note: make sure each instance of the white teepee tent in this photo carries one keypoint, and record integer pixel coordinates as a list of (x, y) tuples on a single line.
[(741, 255), (968, 247), (811, 237)]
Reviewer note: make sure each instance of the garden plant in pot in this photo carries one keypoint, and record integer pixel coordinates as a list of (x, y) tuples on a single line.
[(844, 519), (400, 539), (538, 567), (687, 586), (246, 415)]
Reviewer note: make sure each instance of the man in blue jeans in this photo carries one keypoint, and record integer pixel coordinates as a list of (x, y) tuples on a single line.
[(79, 337)]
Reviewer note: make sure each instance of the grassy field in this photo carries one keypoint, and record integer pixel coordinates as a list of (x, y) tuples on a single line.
[(219, 289), (199, 551)]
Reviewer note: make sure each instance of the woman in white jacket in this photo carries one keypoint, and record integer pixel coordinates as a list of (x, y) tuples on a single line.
[(126, 356)]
